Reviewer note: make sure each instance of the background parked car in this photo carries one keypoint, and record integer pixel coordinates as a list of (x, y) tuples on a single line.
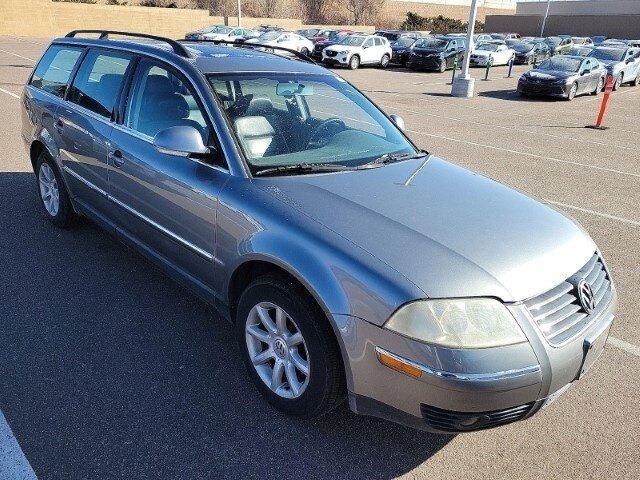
[(481, 37), (528, 53), (598, 39), (504, 36), (432, 53), (393, 35), (491, 52), (356, 50), (232, 34), (582, 41), (308, 32), (623, 63), (336, 37), (203, 32), (559, 45), (401, 49), (289, 40), (324, 35), (564, 76), (581, 50)]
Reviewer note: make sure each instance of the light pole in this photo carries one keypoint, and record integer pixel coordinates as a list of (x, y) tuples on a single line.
[(239, 14), (544, 20), (462, 85)]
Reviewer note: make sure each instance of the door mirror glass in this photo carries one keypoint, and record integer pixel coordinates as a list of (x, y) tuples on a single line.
[(181, 140), (398, 120)]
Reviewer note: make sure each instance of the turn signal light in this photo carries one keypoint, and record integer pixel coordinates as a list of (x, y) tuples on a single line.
[(397, 364)]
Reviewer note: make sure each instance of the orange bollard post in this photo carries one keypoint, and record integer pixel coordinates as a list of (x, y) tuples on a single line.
[(608, 88)]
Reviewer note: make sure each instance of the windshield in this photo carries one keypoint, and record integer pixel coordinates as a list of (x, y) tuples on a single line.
[(602, 54), (285, 119), (564, 64), (352, 40), (523, 47), (267, 36), (326, 33), (490, 47), (554, 41), (432, 43), (404, 42)]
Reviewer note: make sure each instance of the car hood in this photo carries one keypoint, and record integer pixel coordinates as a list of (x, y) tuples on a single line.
[(427, 51), (338, 47), (551, 74), (399, 48), (449, 231)]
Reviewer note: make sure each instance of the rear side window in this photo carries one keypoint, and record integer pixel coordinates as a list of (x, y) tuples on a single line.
[(54, 69), (98, 81)]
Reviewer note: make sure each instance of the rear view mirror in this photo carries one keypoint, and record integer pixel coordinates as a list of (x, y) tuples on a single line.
[(182, 141), (289, 89), (398, 120)]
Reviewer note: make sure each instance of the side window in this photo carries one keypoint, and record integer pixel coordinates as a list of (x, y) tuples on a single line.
[(54, 69), (368, 43), (98, 81), (159, 100), (379, 42)]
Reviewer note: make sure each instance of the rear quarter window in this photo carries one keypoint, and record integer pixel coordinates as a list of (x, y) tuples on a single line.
[(54, 69)]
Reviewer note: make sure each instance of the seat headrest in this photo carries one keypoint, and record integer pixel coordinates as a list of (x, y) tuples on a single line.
[(174, 106), (260, 106), (159, 85)]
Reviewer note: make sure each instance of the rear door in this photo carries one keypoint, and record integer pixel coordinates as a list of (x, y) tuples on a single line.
[(84, 124), (369, 51), (166, 203)]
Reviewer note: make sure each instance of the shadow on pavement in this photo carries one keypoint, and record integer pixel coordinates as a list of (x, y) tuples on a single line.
[(110, 370)]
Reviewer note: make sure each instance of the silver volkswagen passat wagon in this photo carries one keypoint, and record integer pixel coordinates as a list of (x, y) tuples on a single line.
[(351, 263)]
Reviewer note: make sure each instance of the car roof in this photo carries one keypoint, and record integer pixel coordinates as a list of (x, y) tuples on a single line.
[(206, 57)]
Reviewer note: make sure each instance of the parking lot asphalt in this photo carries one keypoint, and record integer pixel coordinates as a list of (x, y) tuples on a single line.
[(110, 370)]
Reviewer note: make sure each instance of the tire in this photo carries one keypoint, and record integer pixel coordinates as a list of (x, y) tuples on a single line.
[(572, 92), (443, 66), (354, 62), (523, 94), (384, 61), (53, 193), (636, 82), (304, 51), (618, 82), (599, 87), (323, 388)]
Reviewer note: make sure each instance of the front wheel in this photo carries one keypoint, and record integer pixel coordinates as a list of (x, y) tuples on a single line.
[(289, 348), (636, 82), (53, 194), (618, 82), (304, 51), (572, 92), (354, 62), (384, 61), (600, 86), (443, 66)]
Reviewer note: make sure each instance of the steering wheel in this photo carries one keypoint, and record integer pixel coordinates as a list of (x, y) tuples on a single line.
[(324, 131)]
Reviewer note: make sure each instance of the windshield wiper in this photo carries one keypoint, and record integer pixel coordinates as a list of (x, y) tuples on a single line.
[(392, 158), (302, 168)]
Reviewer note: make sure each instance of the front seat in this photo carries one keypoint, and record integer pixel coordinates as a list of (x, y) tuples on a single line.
[(258, 137)]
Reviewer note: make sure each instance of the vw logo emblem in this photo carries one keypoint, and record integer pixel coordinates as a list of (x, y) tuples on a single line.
[(586, 297), (280, 348)]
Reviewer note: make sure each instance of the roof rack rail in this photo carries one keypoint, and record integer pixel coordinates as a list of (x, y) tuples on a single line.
[(104, 34), (301, 56)]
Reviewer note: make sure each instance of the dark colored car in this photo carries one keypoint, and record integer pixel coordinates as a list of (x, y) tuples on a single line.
[(324, 35), (394, 35), (564, 76), (528, 53), (401, 49), (435, 53), (318, 47)]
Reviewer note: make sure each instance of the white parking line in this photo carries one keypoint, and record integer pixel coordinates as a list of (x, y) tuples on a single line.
[(527, 154), (593, 212), (13, 464), (625, 346), (9, 93), (19, 56)]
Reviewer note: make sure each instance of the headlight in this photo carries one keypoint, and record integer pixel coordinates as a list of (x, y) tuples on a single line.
[(457, 323), (343, 52)]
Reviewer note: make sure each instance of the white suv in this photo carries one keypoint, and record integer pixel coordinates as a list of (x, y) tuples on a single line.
[(356, 50)]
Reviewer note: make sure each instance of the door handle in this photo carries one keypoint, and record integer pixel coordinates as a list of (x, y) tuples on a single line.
[(117, 158)]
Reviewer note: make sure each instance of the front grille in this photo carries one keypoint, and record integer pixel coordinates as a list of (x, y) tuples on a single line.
[(559, 313), (318, 48), (330, 53), (450, 421)]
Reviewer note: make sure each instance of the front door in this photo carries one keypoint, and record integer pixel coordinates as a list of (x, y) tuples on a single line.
[(84, 125), (165, 203)]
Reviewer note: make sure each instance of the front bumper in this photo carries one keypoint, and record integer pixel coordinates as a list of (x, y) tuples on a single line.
[(424, 63), (339, 59), (463, 389), (547, 89), (478, 61), (521, 59)]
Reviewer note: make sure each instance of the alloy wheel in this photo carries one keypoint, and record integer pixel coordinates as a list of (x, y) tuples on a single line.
[(277, 350), (573, 91), (49, 189)]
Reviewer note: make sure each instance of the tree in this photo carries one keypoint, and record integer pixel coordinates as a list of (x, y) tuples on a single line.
[(313, 10), (363, 10)]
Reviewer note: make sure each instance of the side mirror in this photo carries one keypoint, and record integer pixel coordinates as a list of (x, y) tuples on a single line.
[(181, 141), (398, 120)]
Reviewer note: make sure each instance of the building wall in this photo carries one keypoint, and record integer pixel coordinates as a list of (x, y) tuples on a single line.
[(579, 7), (398, 10), (617, 26)]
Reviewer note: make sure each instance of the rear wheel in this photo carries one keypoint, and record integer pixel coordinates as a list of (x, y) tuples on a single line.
[(618, 82), (636, 82), (53, 193), (354, 62), (384, 61), (289, 348), (572, 91)]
